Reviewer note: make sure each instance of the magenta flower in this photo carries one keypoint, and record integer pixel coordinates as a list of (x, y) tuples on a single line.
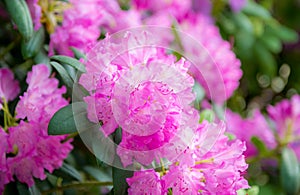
[(9, 87), (219, 89), (145, 182), (81, 24), (143, 91), (31, 150), (5, 175), (285, 116), (209, 166), (37, 102), (245, 129)]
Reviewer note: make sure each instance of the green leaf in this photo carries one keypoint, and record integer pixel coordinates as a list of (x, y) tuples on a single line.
[(289, 171), (20, 14), (68, 172), (286, 34), (42, 58), (257, 10), (260, 145), (271, 42), (120, 175), (267, 63), (24, 190), (243, 22), (63, 121), (78, 55), (119, 180), (64, 74), (34, 45), (69, 61), (98, 174)]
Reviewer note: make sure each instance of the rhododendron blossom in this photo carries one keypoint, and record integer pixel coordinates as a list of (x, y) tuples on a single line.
[(285, 116), (144, 91), (219, 89), (245, 129), (26, 149), (9, 88), (215, 169)]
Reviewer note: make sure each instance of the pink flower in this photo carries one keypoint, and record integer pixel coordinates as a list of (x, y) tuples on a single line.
[(176, 8), (5, 175), (143, 91), (37, 102), (81, 24), (237, 5), (219, 76), (144, 182), (210, 165), (183, 180), (35, 12), (286, 120), (33, 150), (9, 87), (245, 129)]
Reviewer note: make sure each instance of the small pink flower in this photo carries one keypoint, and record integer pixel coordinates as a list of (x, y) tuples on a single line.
[(33, 150), (245, 129), (5, 175), (285, 116), (37, 102), (9, 87), (210, 165), (145, 182)]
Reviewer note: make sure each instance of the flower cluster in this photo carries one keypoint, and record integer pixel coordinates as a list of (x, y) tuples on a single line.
[(245, 129), (144, 91), (81, 24), (26, 148), (285, 117), (281, 130), (200, 27), (216, 169)]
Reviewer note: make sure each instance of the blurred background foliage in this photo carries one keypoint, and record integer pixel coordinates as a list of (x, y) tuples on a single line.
[(264, 36)]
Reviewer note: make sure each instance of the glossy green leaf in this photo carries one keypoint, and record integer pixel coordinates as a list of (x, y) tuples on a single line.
[(63, 121), (289, 172), (98, 174), (42, 58), (69, 61), (34, 45), (68, 81), (78, 55), (68, 172), (20, 14)]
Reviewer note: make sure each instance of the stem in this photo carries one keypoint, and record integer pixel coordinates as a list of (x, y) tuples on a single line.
[(78, 185)]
